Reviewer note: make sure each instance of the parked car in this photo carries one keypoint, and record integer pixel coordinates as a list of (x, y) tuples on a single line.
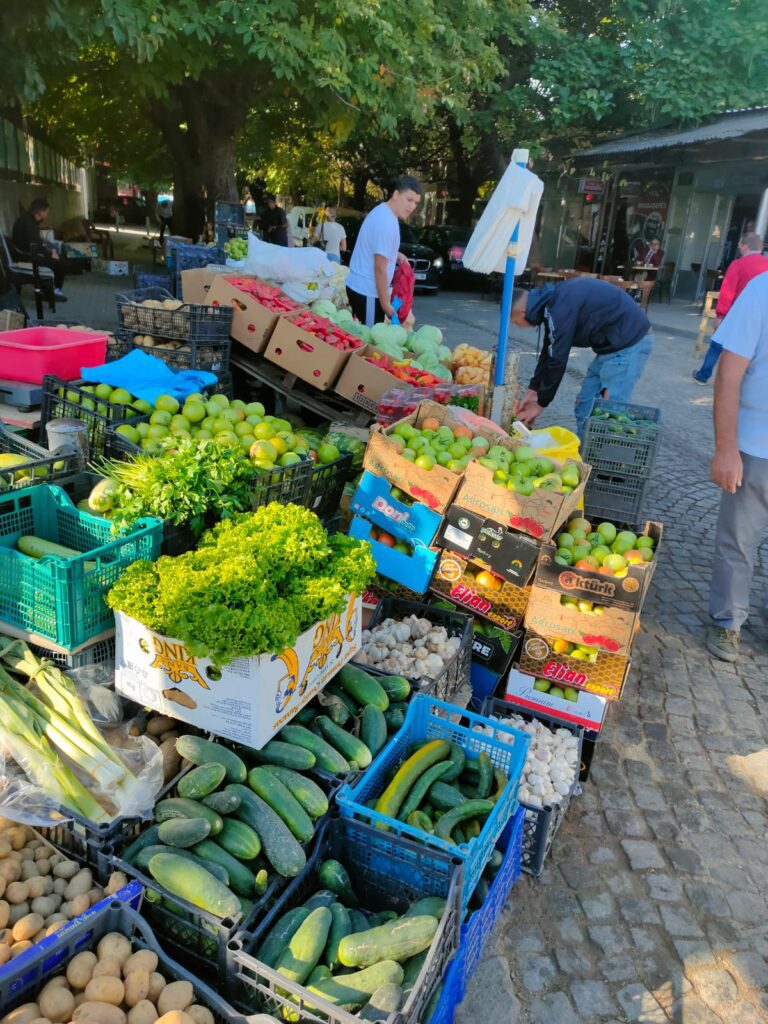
[(450, 241), (426, 263)]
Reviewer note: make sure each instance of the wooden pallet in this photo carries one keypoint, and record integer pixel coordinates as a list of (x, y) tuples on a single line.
[(706, 324)]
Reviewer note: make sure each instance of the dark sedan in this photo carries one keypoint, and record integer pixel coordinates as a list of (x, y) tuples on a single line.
[(426, 263), (450, 241)]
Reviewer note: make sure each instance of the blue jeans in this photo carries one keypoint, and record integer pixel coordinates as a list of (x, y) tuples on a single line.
[(613, 376), (707, 368)]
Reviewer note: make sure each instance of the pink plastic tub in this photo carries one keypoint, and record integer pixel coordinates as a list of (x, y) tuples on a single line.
[(28, 355)]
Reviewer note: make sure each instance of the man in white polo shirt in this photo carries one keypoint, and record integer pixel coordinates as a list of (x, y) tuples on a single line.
[(740, 464), (376, 253)]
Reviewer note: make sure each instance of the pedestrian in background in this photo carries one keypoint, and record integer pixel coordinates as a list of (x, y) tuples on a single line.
[(740, 464), (164, 217), (274, 222), (332, 236), (749, 263)]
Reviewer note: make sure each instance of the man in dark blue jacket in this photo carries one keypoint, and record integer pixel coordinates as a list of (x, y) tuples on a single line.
[(584, 313)]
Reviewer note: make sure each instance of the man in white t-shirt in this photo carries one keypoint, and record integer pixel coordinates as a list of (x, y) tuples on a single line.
[(740, 464), (376, 253), (333, 236)]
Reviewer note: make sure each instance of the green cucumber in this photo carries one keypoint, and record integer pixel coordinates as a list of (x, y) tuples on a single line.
[(321, 898), (341, 925), (143, 859), (469, 809), (193, 883), (485, 780), (387, 999), (397, 688), (363, 687), (337, 712), (494, 864), (273, 792), (305, 946), (239, 840), (445, 798), (457, 835), (391, 800), (480, 894), (333, 876), (241, 880), (305, 714), (420, 820), (202, 781), (458, 759), (280, 934), (398, 940), (394, 719), (326, 756), (222, 802), (280, 847), (358, 920), (320, 973), (286, 755), (433, 905), (383, 917), (373, 729), (354, 990), (501, 778), (414, 799), (349, 703), (148, 837), (434, 999), (412, 969), (308, 793), (348, 746), (181, 807), (184, 832), (472, 829), (200, 751), (261, 881)]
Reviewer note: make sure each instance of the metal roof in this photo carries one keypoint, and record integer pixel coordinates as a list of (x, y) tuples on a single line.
[(729, 125)]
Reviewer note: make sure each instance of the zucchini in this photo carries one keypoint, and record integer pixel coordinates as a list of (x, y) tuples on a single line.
[(305, 946), (480, 895), (321, 898), (184, 832), (348, 746), (239, 840), (273, 792), (280, 847), (286, 755), (222, 802), (341, 925), (412, 969), (458, 759), (180, 807), (280, 934), (326, 756), (394, 718), (445, 798), (432, 905), (200, 751), (373, 729), (149, 837), (418, 793), (391, 800), (38, 547), (501, 778), (363, 687), (397, 688), (193, 883), (143, 859), (469, 809), (308, 793), (398, 940), (241, 880), (386, 1000), (420, 820), (354, 990), (333, 876), (202, 781)]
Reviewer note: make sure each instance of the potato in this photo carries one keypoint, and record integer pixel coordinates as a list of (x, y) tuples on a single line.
[(116, 945), (27, 926), (5, 847), (176, 996), (53, 926), (17, 892), (79, 884), (20, 947), (142, 1013), (79, 998), (105, 989), (79, 905), (59, 886), (10, 869), (60, 981), (80, 969), (159, 724), (95, 895), (142, 960), (2, 887), (22, 1014), (66, 869), (98, 1013), (28, 866), (42, 851), (57, 1004), (5, 912), (171, 760), (200, 1014), (56, 858), (5, 953), (44, 866), (109, 967), (156, 986), (18, 910), (41, 1020), (5, 936), (17, 836), (117, 880), (44, 906), (172, 735), (136, 986), (39, 886), (175, 1017)]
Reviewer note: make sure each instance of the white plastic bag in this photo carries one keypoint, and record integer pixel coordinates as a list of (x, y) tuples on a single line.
[(282, 264)]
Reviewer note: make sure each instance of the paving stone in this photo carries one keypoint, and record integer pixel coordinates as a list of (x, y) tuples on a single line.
[(571, 931), (602, 855), (637, 910), (664, 887), (552, 1009), (610, 940), (625, 823), (490, 995), (694, 954), (743, 1013), (598, 906), (671, 990), (617, 968), (690, 1010), (573, 961), (592, 999), (642, 854), (640, 1006), (679, 922), (620, 884), (705, 897), (751, 969), (538, 972), (644, 940), (685, 860), (716, 987), (746, 907), (531, 940)]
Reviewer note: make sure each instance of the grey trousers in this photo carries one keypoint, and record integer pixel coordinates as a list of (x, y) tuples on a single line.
[(741, 524)]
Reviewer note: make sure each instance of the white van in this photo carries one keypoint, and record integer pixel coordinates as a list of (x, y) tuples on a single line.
[(300, 223)]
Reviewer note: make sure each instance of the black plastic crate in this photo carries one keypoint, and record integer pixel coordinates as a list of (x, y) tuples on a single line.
[(327, 486), (455, 675), (611, 446), (189, 355), (541, 823), (89, 843), (388, 873), (62, 398), (615, 497), (189, 322)]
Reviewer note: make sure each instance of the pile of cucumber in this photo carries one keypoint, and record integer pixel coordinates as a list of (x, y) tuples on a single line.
[(439, 790), (357, 960), (217, 843), (344, 728)]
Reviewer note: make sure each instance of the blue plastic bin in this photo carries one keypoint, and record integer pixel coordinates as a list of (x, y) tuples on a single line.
[(429, 718)]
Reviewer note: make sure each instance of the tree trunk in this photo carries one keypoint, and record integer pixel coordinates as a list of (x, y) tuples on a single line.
[(359, 186)]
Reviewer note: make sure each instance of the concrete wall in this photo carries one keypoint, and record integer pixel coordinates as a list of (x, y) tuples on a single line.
[(64, 202)]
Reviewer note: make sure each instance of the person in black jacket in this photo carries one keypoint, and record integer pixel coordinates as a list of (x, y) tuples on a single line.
[(27, 241), (274, 222), (583, 313)]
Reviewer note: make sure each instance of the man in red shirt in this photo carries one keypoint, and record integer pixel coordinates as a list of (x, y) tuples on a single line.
[(737, 277)]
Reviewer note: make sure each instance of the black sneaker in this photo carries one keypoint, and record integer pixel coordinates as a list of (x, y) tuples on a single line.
[(723, 643), (59, 295)]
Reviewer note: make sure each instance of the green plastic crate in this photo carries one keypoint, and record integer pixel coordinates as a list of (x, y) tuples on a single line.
[(58, 598)]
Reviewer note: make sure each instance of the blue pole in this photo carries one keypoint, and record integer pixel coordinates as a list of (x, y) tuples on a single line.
[(520, 157)]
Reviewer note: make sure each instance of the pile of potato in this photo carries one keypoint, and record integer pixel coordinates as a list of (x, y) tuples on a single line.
[(114, 985), (158, 319), (147, 341), (163, 731), (40, 889)]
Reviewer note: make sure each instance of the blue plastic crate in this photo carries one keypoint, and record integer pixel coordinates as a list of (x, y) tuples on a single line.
[(476, 932), (152, 279), (429, 718)]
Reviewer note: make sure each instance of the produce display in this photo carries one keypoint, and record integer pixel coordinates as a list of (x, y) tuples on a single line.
[(326, 331), (406, 372), (236, 248), (434, 445), (412, 647), (551, 764), (400, 402), (269, 296), (523, 471), (471, 365), (603, 549), (618, 422), (163, 732)]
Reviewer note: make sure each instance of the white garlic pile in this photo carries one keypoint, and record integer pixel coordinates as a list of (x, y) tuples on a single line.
[(551, 765), (413, 647)]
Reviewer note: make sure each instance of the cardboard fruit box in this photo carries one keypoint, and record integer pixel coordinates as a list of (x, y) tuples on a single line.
[(457, 579), (252, 322), (247, 700), (373, 500), (603, 674), (364, 383), (581, 622), (413, 570), (587, 709), (196, 284), (305, 355), (510, 554), (539, 514)]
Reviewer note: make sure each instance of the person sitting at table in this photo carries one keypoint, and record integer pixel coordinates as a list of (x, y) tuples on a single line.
[(652, 257)]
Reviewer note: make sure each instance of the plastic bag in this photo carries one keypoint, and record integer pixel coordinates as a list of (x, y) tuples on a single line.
[(553, 442), (282, 264)]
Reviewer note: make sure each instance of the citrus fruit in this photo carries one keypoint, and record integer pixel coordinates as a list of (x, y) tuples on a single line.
[(194, 411), (103, 391), (167, 403), (263, 431), (263, 450), (120, 397), (161, 417)]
